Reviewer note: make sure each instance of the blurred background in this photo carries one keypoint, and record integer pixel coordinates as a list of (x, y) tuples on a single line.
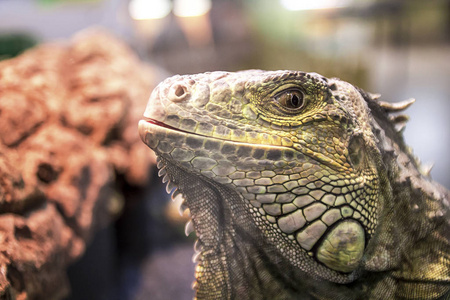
[(398, 48)]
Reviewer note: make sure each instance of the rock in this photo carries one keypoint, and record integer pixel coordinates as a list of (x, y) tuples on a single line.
[(68, 129)]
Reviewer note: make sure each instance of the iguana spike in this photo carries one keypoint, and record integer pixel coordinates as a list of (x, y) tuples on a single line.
[(162, 172), (397, 106), (425, 169), (170, 186), (195, 257), (398, 119), (197, 246), (165, 178), (400, 127), (194, 286), (374, 96), (176, 194), (159, 163), (189, 228), (182, 208)]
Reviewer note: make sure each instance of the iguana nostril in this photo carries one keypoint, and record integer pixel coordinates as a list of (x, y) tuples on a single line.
[(178, 92)]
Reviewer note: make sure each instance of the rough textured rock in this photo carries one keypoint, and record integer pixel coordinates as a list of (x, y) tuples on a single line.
[(68, 118)]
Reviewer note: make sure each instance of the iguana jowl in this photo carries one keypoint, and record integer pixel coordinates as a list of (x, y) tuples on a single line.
[(299, 187)]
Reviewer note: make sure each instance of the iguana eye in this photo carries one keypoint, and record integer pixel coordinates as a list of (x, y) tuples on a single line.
[(291, 100)]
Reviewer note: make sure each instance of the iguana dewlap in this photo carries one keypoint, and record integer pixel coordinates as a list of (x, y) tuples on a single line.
[(299, 187)]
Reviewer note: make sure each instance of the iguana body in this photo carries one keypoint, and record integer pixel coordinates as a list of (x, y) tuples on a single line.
[(299, 187)]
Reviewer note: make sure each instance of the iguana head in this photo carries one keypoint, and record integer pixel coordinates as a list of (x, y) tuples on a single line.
[(289, 154)]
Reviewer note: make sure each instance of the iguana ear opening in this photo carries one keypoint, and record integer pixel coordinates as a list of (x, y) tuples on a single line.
[(357, 152)]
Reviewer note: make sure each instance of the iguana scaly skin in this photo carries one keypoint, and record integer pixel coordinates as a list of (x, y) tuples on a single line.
[(299, 187)]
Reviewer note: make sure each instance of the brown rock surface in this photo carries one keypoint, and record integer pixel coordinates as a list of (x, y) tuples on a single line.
[(68, 127)]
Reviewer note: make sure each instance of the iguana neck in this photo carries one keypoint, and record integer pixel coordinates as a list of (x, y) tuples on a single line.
[(236, 260), (227, 245)]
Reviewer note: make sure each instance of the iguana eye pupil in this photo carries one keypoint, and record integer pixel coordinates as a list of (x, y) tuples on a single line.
[(295, 100), (292, 99)]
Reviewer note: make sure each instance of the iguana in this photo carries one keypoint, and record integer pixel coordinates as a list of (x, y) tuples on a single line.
[(299, 187)]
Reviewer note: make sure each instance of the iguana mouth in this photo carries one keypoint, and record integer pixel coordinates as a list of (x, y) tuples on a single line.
[(297, 147), (161, 124), (166, 126)]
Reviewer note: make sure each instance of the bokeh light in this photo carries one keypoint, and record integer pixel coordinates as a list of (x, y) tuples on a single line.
[(146, 9)]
